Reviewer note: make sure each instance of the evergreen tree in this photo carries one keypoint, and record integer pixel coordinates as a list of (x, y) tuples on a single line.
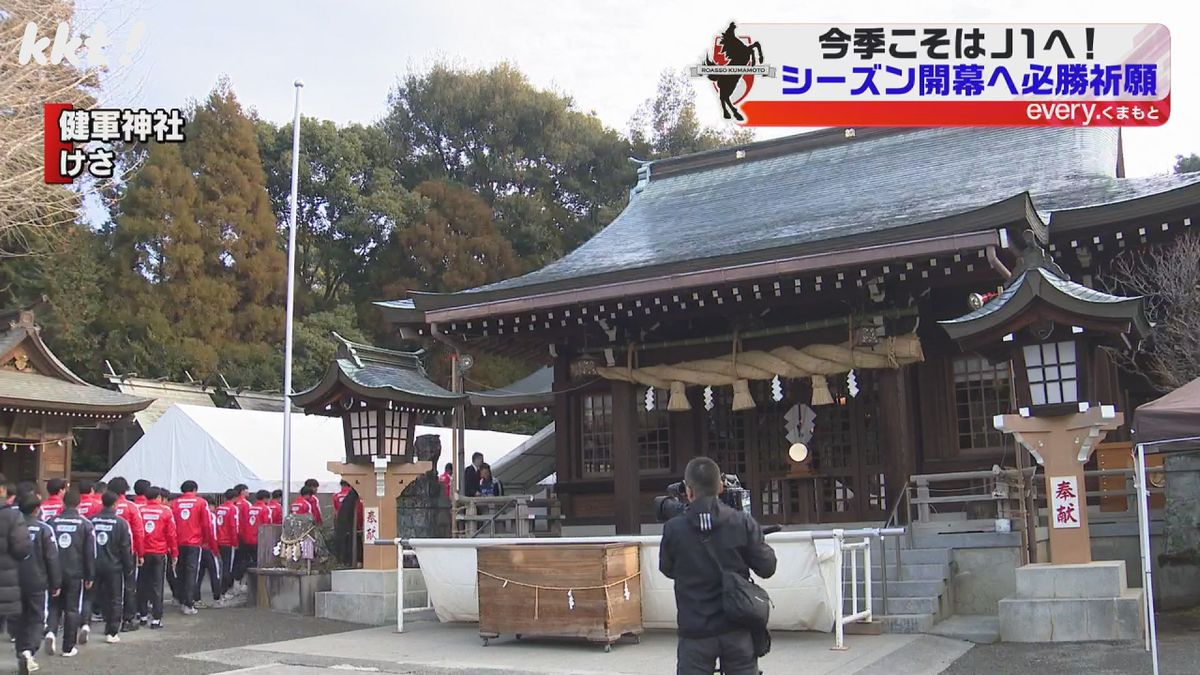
[(233, 212)]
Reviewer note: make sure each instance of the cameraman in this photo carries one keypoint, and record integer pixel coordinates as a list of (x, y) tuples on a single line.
[(704, 633)]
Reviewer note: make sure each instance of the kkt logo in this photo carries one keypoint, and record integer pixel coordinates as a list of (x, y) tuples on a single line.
[(732, 65)]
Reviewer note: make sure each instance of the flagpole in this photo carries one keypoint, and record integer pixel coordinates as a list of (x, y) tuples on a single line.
[(291, 305)]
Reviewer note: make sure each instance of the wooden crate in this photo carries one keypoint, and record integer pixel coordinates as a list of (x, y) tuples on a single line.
[(529, 590)]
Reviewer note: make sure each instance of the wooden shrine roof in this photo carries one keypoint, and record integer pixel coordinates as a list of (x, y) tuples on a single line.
[(33, 379), (830, 191)]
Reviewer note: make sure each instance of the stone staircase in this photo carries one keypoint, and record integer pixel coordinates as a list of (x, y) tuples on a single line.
[(919, 590)]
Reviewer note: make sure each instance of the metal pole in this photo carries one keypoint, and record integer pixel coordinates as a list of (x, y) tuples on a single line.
[(455, 451), (291, 303), (399, 587), (1144, 536)]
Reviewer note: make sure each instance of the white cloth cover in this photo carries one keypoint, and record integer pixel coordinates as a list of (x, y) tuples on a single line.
[(221, 447), (802, 589)]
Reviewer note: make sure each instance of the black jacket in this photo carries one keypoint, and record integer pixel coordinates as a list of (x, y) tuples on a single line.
[(114, 544), (40, 571), (76, 545), (14, 547), (739, 543), (470, 481)]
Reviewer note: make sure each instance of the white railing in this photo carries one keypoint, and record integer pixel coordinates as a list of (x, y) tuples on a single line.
[(855, 542)]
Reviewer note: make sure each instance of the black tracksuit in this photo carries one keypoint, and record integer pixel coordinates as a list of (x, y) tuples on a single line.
[(41, 577), (211, 566), (77, 557), (14, 547), (115, 563), (704, 633)]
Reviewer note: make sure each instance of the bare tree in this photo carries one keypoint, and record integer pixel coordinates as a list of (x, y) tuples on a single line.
[(1168, 276), (32, 213)]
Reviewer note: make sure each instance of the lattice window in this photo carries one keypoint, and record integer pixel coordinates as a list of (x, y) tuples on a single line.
[(653, 432), (1052, 372), (836, 493), (981, 391), (364, 430), (877, 492), (726, 431), (596, 435), (772, 498), (396, 440)]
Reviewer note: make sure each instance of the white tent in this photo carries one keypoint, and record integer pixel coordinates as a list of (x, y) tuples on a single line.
[(220, 447)]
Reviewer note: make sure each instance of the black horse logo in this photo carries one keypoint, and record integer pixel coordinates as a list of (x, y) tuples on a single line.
[(732, 51)]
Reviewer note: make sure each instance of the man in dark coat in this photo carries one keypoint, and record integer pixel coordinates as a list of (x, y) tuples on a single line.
[(41, 580), (471, 476), (736, 540), (14, 547)]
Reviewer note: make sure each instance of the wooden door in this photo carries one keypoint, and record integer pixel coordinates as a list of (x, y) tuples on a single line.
[(849, 453)]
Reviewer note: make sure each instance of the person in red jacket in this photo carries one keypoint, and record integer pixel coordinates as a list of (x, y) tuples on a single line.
[(139, 492), (312, 484), (210, 562), (53, 505), (245, 551), (194, 531), (276, 504), (129, 512), (89, 500), (339, 497), (228, 537), (302, 505), (259, 515), (160, 542)]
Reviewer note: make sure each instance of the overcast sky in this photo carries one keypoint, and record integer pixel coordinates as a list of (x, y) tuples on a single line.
[(607, 55)]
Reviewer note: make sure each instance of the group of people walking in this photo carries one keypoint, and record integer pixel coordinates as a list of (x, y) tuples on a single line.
[(94, 554)]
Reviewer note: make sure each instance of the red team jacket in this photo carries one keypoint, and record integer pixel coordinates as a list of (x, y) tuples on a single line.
[(341, 497), (159, 526), (132, 515), (227, 525), (243, 509), (259, 514), (192, 522), (52, 507), (90, 505), (315, 509), (301, 506), (276, 511), (212, 541)]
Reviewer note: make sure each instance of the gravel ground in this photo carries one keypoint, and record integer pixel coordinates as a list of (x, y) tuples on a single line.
[(1178, 654), (147, 651)]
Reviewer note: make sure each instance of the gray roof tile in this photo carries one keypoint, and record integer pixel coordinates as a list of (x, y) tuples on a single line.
[(851, 187)]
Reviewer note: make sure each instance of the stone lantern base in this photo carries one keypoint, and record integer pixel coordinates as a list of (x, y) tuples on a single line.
[(1079, 602)]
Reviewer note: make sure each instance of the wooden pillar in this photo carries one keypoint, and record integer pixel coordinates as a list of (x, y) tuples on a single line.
[(898, 427), (563, 434), (627, 491)]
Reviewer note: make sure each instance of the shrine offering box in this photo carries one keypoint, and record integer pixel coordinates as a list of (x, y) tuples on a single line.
[(588, 591)]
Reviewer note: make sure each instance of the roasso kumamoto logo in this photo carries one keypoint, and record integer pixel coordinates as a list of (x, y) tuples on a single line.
[(732, 65)]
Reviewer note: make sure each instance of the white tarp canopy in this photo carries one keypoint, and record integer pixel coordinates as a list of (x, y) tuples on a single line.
[(221, 447)]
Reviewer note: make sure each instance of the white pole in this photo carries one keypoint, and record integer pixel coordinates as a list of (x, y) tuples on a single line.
[(399, 586), (1144, 536), (291, 304)]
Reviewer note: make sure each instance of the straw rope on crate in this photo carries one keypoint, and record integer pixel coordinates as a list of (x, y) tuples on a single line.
[(538, 588), (813, 361)]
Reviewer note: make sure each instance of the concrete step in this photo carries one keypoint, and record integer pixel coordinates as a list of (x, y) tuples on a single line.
[(967, 540), (925, 555), (906, 623), (906, 571), (980, 629), (897, 605), (366, 581), (897, 588), (964, 525), (373, 609)]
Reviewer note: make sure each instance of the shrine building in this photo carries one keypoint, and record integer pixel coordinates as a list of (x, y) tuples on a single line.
[(789, 291)]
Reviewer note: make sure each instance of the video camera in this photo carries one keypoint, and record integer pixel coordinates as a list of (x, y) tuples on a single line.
[(675, 501)]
